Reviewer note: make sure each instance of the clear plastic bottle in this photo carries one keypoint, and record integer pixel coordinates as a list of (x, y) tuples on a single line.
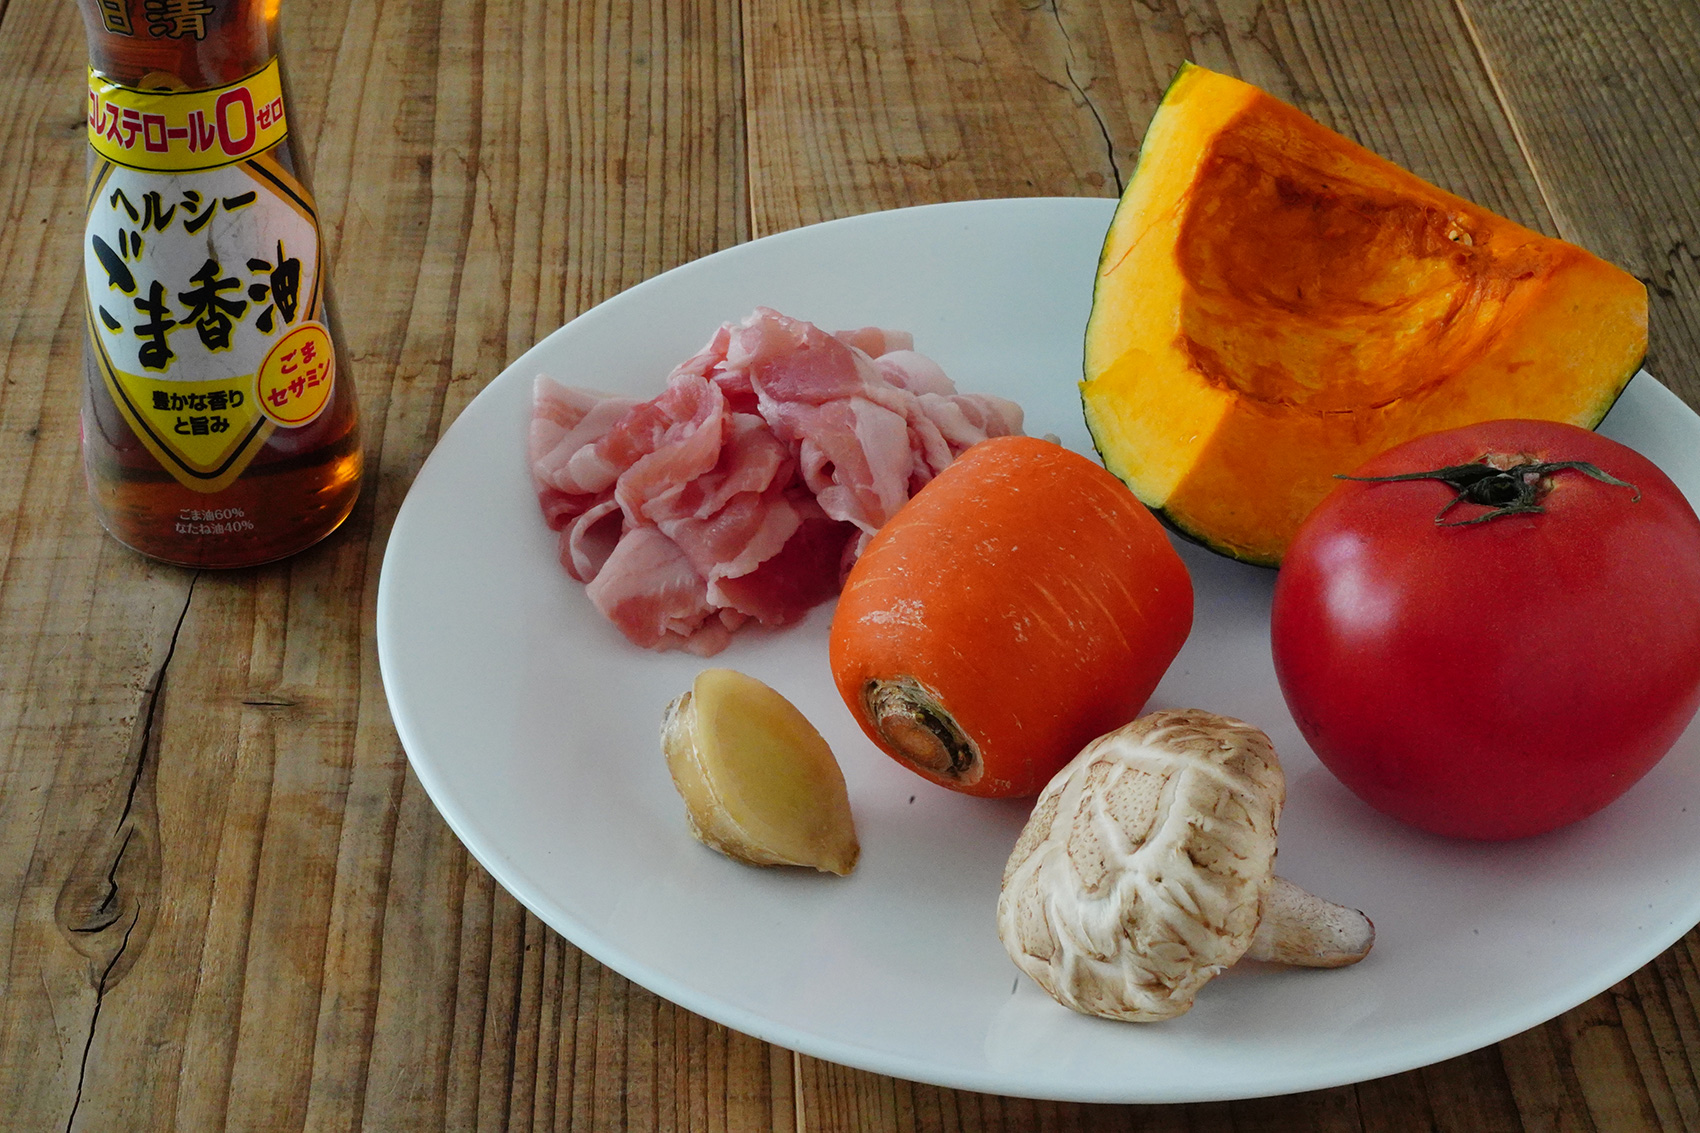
[(218, 429)]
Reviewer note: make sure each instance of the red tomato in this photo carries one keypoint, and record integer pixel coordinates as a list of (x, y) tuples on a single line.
[(1493, 677)]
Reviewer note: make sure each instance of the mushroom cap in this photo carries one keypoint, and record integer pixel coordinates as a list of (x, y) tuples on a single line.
[(1141, 872)]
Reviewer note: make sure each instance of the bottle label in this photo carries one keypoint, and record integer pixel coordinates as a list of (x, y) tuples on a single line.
[(182, 131), (203, 283)]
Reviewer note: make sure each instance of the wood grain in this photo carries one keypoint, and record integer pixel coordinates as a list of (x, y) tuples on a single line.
[(1604, 97), (225, 902)]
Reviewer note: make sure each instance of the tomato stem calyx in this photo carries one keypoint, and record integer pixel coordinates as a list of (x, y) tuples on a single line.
[(1516, 490)]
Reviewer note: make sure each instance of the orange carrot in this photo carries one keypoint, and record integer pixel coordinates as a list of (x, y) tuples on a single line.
[(1021, 605)]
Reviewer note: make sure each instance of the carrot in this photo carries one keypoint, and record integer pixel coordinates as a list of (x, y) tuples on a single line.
[(1018, 607)]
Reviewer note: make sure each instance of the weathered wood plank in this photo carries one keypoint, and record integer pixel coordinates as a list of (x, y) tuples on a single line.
[(857, 106), (1543, 1085), (80, 864), (1605, 97)]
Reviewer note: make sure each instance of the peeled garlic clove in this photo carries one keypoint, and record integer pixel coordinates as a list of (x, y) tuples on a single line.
[(759, 783)]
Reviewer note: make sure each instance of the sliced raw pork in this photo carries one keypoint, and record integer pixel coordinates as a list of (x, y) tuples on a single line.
[(747, 487)]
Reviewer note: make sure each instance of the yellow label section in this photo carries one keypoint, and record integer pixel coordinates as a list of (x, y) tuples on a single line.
[(183, 131), (294, 383), (203, 421), (204, 433)]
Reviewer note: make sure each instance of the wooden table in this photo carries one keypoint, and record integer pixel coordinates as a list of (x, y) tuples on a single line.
[(225, 902)]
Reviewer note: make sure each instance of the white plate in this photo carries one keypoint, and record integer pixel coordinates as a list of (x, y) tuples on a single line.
[(534, 727)]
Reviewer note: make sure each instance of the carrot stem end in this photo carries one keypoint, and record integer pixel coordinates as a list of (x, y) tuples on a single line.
[(919, 729)]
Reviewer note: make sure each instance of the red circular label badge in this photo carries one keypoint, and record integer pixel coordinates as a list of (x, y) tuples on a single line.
[(295, 379)]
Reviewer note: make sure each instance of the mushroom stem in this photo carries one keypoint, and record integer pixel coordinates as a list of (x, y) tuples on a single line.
[(1301, 928)]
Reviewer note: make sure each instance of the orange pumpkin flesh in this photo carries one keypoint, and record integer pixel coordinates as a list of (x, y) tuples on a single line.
[(1276, 304)]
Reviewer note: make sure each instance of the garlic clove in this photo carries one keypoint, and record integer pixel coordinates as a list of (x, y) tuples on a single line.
[(759, 783)]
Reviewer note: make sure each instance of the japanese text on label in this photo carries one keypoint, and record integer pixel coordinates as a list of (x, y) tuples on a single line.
[(179, 131)]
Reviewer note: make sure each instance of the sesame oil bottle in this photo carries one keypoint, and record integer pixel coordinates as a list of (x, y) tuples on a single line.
[(217, 428)]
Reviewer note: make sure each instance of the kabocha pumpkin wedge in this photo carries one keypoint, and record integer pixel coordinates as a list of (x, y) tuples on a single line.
[(1276, 304)]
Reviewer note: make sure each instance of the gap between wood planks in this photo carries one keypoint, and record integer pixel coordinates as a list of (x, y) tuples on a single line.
[(1511, 119), (1055, 11), (90, 933), (797, 1092)]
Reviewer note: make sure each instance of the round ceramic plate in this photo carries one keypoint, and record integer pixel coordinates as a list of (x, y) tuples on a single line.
[(534, 727)]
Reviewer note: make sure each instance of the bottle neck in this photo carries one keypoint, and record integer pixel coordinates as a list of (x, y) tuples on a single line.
[(192, 44)]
